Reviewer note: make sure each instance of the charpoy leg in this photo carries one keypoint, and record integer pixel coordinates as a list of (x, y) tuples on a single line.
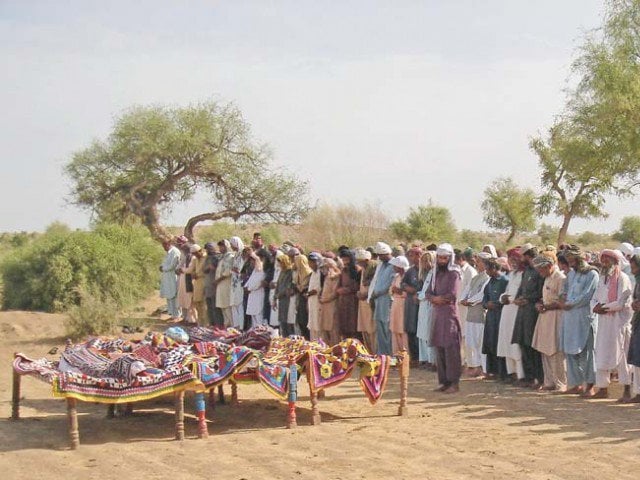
[(293, 395), (72, 415), (201, 412), (179, 409), (15, 400), (403, 410)]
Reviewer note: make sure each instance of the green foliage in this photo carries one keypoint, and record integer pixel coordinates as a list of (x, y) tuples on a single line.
[(95, 314), (509, 208), (48, 274), (158, 156), (547, 234), (428, 223), (629, 230)]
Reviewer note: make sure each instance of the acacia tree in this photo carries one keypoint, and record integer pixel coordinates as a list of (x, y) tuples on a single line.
[(425, 222), (509, 208), (158, 156)]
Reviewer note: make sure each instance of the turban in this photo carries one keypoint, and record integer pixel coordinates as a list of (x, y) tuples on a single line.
[(293, 251), (195, 248), (382, 248), (542, 261), (362, 254), (181, 240), (515, 253), (574, 251), (504, 263), (209, 245), (316, 257), (400, 261), (550, 248), (492, 250), (525, 248), (636, 251), (445, 249), (613, 254), (626, 248), (236, 243), (484, 255)]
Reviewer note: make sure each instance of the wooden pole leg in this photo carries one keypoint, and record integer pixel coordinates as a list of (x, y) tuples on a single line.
[(212, 399), (221, 399), (72, 415), (179, 409), (234, 394), (293, 395), (321, 394), (403, 410), (315, 410), (201, 412), (15, 400), (111, 410)]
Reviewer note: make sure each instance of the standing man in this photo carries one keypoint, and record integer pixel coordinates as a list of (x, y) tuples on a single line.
[(214, 315), (366, 325), (467, 272), (446, 334), (529, 293), (410, 285), (493, 290), (196, 270), (549, 325), (223, 282), (237, 288), (471, 299), (381, 298), (578, 323), (613, 306), (169, 278)]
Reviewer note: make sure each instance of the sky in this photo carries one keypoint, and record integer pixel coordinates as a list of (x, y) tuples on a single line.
[(370, 101)]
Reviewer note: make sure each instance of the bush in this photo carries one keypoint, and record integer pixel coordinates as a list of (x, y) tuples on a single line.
[(95, 314), (48, 274)]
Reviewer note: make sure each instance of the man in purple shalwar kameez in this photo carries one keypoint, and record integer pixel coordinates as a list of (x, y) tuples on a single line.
[(446, 334)]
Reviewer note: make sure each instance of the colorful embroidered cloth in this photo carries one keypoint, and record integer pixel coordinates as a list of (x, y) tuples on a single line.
[(118, 371)]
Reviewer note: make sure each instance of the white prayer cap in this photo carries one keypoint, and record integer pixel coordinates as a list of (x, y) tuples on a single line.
[(362, 254), (382, 248), (636, 251), (445, 249), (400, 261), (195, 248), (626, 248), (484, 255)]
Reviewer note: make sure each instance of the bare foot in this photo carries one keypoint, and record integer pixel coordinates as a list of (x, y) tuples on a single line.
[(601, 393), (635, 399), (577, 390), (452, 389)]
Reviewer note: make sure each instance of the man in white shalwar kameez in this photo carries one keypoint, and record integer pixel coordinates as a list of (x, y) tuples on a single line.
[(237, 290), (612, 304), (169, 279)]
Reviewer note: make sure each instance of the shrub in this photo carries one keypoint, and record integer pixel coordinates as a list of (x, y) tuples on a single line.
[(49, 273), (95, 314)]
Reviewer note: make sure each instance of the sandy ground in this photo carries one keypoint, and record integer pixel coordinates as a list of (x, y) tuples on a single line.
[(487, 431)]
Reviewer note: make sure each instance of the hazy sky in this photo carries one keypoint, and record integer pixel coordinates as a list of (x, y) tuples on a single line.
[(396, 102)]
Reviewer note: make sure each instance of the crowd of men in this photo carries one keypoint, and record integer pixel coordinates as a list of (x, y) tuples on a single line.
[(548, 319)]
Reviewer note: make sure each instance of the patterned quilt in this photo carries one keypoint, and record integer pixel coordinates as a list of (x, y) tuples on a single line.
[(111, 370)]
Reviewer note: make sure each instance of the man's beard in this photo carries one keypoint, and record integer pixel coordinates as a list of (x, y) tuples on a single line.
[(443, 268)]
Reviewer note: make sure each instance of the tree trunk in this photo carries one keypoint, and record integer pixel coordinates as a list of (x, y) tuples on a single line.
[(512, 233), (562, 234), (213, 216), (151, 220)]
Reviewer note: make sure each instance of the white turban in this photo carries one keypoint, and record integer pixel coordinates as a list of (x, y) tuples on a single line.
[(484, 255), (382, 248), (236, 243), (445, 249), (492, 250), (400, 261), (195, 248), (362, 254), (636, 251), (626, 248)]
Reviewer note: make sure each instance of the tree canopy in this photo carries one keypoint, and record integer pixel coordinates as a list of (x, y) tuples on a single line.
[(157, 156), (509, 208), (425, 222)]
